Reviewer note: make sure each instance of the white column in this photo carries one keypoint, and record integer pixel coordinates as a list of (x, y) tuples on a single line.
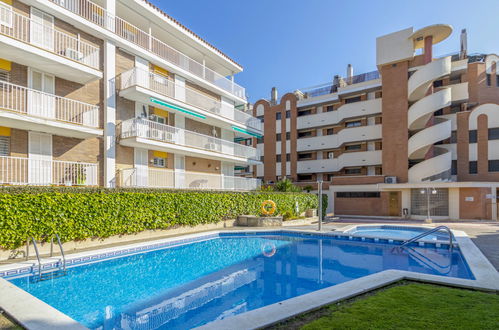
[(179, 88), (227, 148), (179, 171), (109, 115), (109, 106)]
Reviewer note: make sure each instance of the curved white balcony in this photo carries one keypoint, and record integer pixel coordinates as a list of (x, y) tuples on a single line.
[(28, 171), (433, 169), (142, 133), (351, 110), (421, 111), (167, 178), (140, 85), (130, 34), (29, 109), (423, 78), (28, 42), (361, 158), (422, 141), (363, 133), (437, 167)]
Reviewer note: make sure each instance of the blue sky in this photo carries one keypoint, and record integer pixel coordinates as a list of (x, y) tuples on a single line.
[(294, 44)]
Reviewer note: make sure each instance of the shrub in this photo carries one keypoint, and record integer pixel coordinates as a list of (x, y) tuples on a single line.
[(286, 185), (80, 213)]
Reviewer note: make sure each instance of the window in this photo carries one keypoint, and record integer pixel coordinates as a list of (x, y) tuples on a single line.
[(438, 83), (329, 108), (455, 109), (489, 79), (493, 133), (473, 136), (353, 99), (304, 113), (278, 116), (159, 162), (261, 158), (358, 194), (5, 15), (329, 177), (355, 123), (288, 135), (493, 165), (497, 80), (288, 157), (329, 131), (453, 170), (453, 137), (439, 112), (260, 117), (259, 140), (473, 167), (304, 156), (278, 158), (158, 119), (288, 114), (304, 134), (330, 155), (4, 145), (353, 170), (353, 147), (304, 177), (278, 137)]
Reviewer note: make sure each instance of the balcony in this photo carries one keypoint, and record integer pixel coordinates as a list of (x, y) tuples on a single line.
[(140, 85), (28, 171), (29, 109), (132, 34), (361, 158), (164, 178), (142, 133), (32, 44)]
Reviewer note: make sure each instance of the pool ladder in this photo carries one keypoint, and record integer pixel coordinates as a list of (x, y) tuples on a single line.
[(428, 232), (61, 271)]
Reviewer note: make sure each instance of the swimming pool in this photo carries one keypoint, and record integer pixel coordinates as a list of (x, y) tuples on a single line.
[(398, 232), (188, 285)]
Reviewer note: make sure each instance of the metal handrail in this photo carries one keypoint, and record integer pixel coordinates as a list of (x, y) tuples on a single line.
[(37, 257), (428, 232), (62, 252)]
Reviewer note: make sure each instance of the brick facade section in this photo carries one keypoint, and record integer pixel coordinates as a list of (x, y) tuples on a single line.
[(395, 128)]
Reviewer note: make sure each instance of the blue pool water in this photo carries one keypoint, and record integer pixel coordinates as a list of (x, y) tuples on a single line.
[(402, 232), (186, 286)]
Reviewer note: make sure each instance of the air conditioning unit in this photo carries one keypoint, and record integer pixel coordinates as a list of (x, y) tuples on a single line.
[(73, 54), (390, 179)]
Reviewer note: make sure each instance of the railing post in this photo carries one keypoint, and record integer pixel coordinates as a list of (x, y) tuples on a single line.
[(319, 186)]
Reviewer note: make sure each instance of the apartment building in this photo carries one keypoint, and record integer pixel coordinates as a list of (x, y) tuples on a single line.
[(417, 138), (117, 93)]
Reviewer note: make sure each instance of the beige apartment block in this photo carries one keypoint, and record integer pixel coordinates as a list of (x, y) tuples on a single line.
[(417, 138), (117, 94)]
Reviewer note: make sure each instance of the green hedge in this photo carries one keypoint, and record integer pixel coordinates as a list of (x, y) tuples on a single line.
[(80, 213)]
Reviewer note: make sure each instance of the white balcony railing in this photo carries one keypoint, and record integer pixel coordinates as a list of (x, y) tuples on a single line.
[(98, 15), (48, 106), (28, 171), (140, 127), (167, 87), (165, 178), (25, 29)]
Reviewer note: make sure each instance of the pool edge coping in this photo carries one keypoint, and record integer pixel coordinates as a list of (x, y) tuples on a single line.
[(486, 278)]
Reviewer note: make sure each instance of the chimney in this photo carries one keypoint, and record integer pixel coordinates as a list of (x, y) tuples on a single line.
[(349, 74), (464, 45), (273, 96)]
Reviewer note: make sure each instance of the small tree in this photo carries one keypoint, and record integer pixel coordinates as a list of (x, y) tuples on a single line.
[(285, 185)]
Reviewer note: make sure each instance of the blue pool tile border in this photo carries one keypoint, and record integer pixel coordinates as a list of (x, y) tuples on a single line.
[(344, 236)]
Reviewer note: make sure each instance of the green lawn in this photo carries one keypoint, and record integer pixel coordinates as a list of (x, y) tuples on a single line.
[(409, 306)]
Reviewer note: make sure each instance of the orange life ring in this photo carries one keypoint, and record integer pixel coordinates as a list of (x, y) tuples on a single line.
[(268, 252), (272, 208)]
